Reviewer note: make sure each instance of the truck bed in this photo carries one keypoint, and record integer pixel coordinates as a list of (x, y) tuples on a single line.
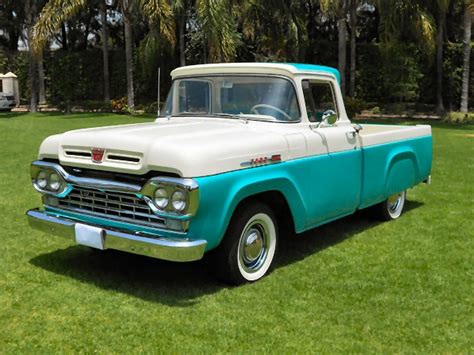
[(373, 134), (395, 158)]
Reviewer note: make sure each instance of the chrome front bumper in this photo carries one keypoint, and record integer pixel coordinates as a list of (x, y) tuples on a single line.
[(157, 247)]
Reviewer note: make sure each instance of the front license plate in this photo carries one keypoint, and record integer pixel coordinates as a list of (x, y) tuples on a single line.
[(89, 236)]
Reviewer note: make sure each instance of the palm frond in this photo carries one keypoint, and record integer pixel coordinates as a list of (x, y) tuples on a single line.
[(219, 29), (54, 13), (160, 15), (401, 19)]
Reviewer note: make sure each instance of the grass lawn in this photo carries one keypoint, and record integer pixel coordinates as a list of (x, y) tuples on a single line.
[(355, 285)]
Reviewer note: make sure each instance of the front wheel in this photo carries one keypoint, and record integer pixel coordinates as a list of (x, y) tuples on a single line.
[(249, 246), (392, 207)]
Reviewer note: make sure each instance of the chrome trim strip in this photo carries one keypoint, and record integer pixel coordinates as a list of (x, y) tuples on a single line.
[(188, 184), (146, 192), (173, 249), (159, 224), (103, 184), (163, 214)]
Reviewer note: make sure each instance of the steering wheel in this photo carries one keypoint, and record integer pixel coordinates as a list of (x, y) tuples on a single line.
[(254, 110)]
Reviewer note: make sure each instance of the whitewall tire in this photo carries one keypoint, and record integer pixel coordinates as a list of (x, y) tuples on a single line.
[(392, 207), (248, 249)]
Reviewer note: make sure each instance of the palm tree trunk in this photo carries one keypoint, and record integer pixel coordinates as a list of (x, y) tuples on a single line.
[(33, 74), (204, 50), (439, 66), (353, 22), (129, 60), (182, 44), (105, 49), (64, 43), (30, 10), (466, 57), (342, 34), (42, 93)]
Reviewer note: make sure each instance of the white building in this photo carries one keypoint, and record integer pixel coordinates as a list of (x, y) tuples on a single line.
[(9, 85)]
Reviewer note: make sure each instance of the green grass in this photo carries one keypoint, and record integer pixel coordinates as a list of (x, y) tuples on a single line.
[(354, 285)]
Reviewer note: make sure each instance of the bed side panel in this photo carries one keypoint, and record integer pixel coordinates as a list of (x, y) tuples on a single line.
[(393, 167)]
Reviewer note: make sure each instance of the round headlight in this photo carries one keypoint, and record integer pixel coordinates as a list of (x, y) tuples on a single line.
[(161, 198), (179, 201), (42, 179), (54, 182)]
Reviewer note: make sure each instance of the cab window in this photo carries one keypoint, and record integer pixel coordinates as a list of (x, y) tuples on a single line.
[(319, 97)]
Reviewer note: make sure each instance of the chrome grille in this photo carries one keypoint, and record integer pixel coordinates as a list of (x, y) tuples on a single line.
[(113, 205)]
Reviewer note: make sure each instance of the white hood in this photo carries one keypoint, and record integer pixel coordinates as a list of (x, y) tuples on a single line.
[(189, 147)]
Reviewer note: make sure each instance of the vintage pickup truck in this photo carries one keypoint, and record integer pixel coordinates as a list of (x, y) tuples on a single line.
[(242, 153)]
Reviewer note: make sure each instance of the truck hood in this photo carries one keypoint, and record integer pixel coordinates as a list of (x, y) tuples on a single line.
[(189, 147)]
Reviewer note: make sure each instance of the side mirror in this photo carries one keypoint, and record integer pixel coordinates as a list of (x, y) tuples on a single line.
[(329, 117)]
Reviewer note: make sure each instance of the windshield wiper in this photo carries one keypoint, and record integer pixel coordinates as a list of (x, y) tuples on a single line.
[(214, 114), (187, 113), (230, 115)]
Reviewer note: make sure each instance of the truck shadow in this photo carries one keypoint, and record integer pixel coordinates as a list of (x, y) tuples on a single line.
[(182, 284), (310, 242)]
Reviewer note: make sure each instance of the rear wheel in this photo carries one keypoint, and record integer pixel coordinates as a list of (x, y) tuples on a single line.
[(247, 251), (392, 207)]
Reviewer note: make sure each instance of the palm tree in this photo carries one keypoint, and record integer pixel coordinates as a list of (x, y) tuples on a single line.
[(467, 23), (400, 19), (219, 29), (31, 10), (338, 9), (439, 9), (56, 12), (179, 8), (52, 18), (105, 48), (278, 30), (160, 19), (127, 9), (352, 66), (41, 88)]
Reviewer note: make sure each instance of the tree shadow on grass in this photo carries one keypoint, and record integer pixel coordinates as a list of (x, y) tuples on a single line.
[(181, 284), (8, 114)]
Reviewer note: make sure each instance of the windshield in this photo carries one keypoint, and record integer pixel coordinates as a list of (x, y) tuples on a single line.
[(249, 97)]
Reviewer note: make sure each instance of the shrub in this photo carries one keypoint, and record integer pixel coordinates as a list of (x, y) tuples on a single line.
[(459, 117), (120, 105), (95, 105), (376, 110), (354, 106), (151, 108)]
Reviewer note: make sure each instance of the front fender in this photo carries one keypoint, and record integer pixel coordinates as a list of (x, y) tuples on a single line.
[(220, 195)]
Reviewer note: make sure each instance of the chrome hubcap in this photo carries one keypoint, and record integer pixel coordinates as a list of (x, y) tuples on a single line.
[(394, 202), (253, 245)]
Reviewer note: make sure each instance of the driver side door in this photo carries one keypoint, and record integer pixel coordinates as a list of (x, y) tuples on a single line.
[(336, 171)]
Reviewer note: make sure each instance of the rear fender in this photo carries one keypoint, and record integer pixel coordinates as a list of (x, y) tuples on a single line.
[(402, 170)]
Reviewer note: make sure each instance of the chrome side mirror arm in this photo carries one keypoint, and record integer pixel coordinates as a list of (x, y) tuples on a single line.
[(328, 119)]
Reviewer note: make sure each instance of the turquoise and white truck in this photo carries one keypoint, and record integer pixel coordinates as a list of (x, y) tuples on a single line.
[(241, 154)]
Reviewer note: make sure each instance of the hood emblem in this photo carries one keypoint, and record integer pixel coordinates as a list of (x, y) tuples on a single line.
[(97, 155)]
